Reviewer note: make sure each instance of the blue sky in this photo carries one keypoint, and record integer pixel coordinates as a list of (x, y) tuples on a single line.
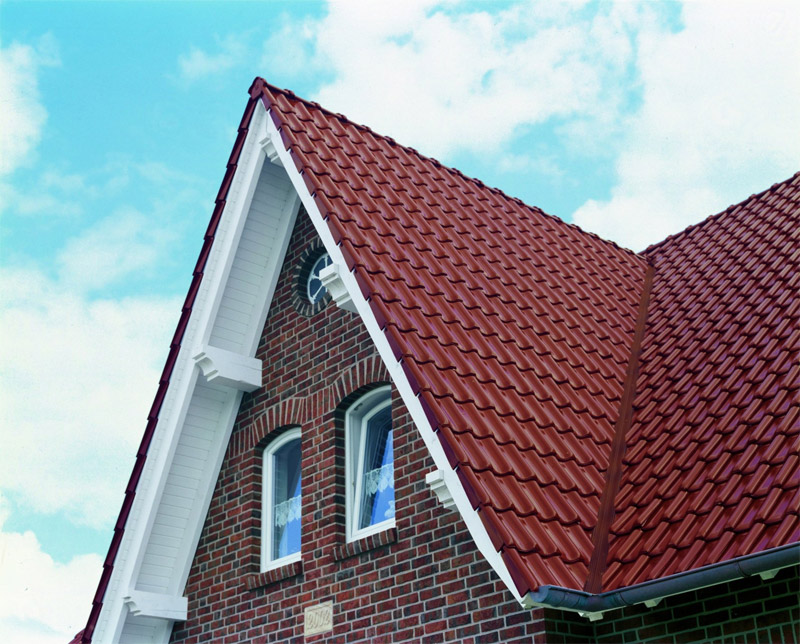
[(632, 120)]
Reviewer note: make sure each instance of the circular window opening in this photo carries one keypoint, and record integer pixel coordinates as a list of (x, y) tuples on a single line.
[(315, 291)]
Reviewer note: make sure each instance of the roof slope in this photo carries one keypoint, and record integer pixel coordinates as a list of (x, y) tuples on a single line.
[(712, 470), (514, 328)]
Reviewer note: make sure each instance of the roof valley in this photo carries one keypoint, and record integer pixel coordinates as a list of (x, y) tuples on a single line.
[(600, 534)]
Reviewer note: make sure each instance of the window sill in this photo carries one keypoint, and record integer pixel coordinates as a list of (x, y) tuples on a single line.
[(383, 538), (261, 579)]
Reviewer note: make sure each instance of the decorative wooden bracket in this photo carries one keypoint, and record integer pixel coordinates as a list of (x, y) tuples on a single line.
[(230, 369), (158, 605)]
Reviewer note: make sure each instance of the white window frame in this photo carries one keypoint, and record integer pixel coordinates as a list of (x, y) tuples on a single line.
[(356, 420), (268, 507)]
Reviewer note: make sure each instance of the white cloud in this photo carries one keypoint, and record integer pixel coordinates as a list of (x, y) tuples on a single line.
[(41, 601), (39, 202), (83, 374), (23, 114), (114, 247), (447, 80), (198, 64), (719, 120), (697, 117)]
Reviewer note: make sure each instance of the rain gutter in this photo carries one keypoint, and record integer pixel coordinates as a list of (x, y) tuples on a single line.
[(593, 605)]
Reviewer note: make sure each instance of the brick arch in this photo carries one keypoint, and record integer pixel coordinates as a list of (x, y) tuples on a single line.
[(369, 372), (284, 413)]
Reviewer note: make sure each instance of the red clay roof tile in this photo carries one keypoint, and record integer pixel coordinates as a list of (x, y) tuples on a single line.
[(516, 326), (722, 328), (517, 329)]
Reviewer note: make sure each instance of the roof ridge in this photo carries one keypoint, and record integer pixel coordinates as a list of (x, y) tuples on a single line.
[(700, 224), (259, 84)]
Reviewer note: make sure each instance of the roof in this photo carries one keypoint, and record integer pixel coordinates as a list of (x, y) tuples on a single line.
[(611, 417), (514, 327), (517, 332), (711, 471)]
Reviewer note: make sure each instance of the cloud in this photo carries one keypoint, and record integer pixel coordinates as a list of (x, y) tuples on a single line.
[(83, 373), (719, 118), (23, 114), (447, 80), (37, 202), (123, 243), (41, 601), (695, 105), (199, 64)]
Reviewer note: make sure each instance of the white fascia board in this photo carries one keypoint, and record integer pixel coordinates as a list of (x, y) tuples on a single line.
[(148, 491), (235, 212), (200, 510), (179, 394), (288, 218), (468, 513)]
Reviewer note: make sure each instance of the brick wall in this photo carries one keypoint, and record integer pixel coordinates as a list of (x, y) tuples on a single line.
[(422, 580), (747, 610)]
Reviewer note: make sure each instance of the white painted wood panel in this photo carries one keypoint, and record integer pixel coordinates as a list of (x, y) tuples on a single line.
[(179, 491), (231, 325), (154, 575), (200, 425), (256, 246), (240, 295), (251, 263), (182, 488), (188, 461), (167, 535), (191, 451), (243, 305), (196, 443), (253, 250), (157, 564), (244, 276), (138, 630), (164, 551), (171, 522)]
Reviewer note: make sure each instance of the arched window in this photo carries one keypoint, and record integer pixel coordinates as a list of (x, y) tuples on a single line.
[(282, 501), (370, 464)]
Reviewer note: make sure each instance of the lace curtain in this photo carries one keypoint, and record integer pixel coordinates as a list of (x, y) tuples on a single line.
[(288, 511), (379, 479)]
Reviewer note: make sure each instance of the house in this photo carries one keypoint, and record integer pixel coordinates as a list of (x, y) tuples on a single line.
[(401, 405)]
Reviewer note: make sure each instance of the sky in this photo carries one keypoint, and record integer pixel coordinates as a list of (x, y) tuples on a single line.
[(632, 120)]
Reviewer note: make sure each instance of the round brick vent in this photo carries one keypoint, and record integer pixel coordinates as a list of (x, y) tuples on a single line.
[(309, 296)]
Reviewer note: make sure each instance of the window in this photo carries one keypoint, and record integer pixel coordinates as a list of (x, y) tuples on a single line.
[(282, 501), (370, 465), (315, 291)]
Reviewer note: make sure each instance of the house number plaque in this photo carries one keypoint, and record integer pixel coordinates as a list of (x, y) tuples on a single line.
[(318, 619)]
